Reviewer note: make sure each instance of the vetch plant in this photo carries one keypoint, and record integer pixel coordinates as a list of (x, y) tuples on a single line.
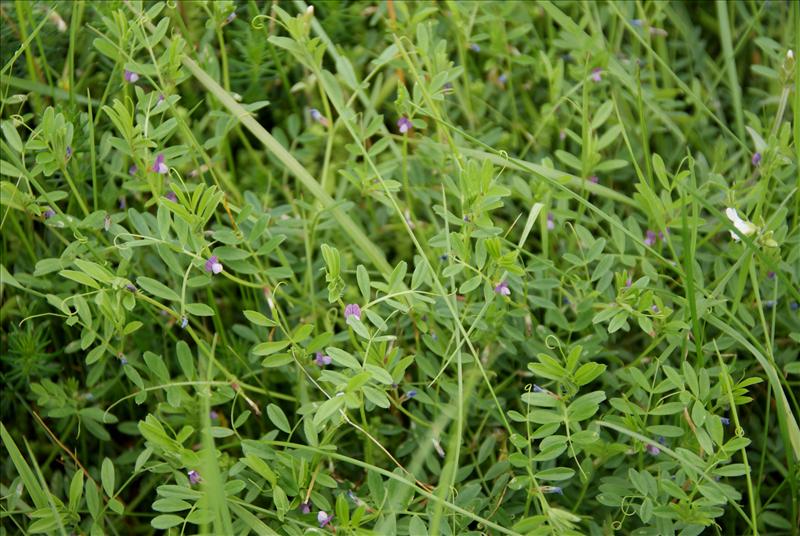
[(406, 268)]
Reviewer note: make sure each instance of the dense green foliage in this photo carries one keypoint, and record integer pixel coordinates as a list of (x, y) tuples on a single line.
[(400, 268)]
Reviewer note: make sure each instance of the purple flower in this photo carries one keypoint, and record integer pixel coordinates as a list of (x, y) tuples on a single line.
[(537, 389), (593, 179), (793, 306), (133, 169), (69, 151), (171, 196), (475, 47), (122, 203), (213, 415), (756, 160), (650, 238), (49, 213), (194, 477), (230, 18), (725, 421), (502, 288), (597, 74), (502, 78), (637, 22), (628, 282), (412, 393), (131, 77), (653, 449), (552, 489), (352, 309), (159, 166), (771, 275), (184, 322), (318, 117), (321, 359), (323, 518), (213, 265), (769, 304), (130, 288), (160, 98), (404, 125), (551, 223), (654, 308), (305, 508), (122, 360)]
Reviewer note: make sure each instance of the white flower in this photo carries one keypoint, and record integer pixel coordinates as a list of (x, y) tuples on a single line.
[(745, 227)]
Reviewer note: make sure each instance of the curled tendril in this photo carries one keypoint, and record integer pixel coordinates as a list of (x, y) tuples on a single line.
[(255, 21), (172, 4), (739, 431), (616, 525), (628, 508), (528, 387), (547, 342)]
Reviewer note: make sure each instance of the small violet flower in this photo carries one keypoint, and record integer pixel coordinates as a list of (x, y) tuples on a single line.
[(552, 489), (593, 179), (769, 304), (123, 360), (322, 360), (404, 125), (133, 169), (318, 117), (756, 160), (49, 213), (230, 18), (213, 415), (305, 508), (475, 47), (130, 288), (412, 393), (537, 389), (650, 238), (323, 518), (551, 223), (69, 152), (597, 73), (794, 306), (171, 196), (502, 288), (159, 166), (725, 421), (131, 77), (213, 265), (502, 78), (194, 476), (184, 322), (352, 309), (743, 226), (122, 203), (770, 275)]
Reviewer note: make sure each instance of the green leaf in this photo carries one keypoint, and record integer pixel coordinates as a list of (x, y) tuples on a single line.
[(259, 319), (278, 418), (199, 309), (79, 277), (166, 521), (328, 408), (556, 473), (268, 348), (342, 358), (157, 288), (107, 476)]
